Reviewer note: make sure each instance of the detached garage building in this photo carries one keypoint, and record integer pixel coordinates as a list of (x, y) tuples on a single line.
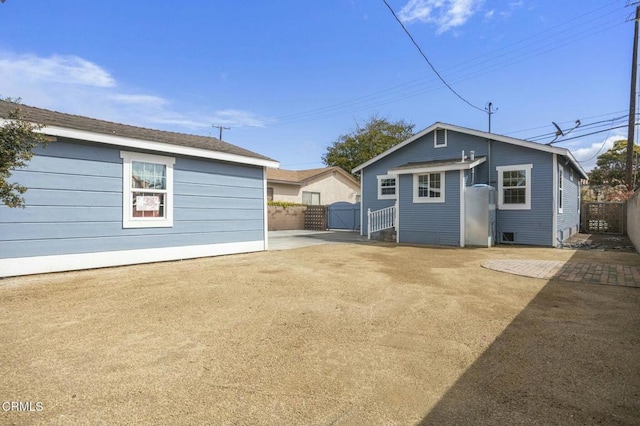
[(105, 194)]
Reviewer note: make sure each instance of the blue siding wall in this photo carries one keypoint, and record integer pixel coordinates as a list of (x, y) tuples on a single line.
[(74, 205), (430, 223), (534, 226), (569, 219), (419, 150)]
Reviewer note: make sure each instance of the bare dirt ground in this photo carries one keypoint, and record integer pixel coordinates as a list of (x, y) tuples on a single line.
[(332, 334)]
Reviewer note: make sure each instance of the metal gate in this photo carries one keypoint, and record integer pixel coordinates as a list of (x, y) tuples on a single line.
[(343, 215), (604, 218)]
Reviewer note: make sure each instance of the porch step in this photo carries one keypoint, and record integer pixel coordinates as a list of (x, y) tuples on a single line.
[(388, 235)]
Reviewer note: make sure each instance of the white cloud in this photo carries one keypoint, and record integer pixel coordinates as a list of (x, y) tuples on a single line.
[(148, 100), (489, 14), (445, 14), (75, 85), (587, 156), (59, 69), (234, 117)]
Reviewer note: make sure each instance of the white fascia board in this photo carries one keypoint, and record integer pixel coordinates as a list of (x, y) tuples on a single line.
[(443, 168), (73, 262), (396, 147), (156, 146), (499, 138)]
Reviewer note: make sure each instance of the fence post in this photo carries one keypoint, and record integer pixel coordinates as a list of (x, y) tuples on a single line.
[(368, 224)]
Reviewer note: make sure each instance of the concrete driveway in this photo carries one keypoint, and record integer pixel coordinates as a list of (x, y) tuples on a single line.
[(284, 240)]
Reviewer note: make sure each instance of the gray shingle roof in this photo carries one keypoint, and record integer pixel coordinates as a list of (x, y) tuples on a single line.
[(77, 122)]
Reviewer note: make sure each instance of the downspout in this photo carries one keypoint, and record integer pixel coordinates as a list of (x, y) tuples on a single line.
[(489, 162)]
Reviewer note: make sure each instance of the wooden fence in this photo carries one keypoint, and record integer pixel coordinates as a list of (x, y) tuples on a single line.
[(315, 218)]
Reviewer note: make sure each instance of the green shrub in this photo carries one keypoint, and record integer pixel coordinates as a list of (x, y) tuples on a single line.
[(283, 203)]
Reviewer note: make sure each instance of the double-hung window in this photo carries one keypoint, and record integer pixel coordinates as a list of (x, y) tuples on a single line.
[(387, 187), (147, 190), (428, 188), (514, 187)]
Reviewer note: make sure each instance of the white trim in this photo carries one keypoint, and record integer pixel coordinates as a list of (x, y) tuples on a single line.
[(416, 197), (362, 204), (490, 136), (128, 221), (72, 262), (462, 211), (266, 209), (528, 187), (435, 138), (397, 218), (441, 168), (380, 178), (155, 146), (554, 207), (560, 188)]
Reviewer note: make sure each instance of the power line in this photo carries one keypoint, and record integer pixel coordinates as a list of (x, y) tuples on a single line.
[(576, 31), (594, 133), (428, 61), (582, 128), (411, 89)]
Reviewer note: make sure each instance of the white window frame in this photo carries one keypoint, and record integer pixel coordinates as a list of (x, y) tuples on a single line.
[(128, 221), (382, 196), (435, 138), (416, 193), (311, 194), (528, 185), (560, 188)]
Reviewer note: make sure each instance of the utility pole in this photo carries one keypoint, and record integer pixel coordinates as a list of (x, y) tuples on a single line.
[(632, 104), (490, 112), (221, 128)]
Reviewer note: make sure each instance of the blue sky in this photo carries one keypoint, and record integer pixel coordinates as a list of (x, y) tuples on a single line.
[(290, 76)]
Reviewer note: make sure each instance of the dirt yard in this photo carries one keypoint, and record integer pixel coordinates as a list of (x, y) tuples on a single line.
[(325, 335)]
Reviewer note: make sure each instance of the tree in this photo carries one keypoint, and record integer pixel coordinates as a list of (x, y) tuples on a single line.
[(611, 166), (18, 138), (364, 143)]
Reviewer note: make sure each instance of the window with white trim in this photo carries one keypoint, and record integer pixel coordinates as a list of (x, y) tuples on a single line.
[(560, 189), (428, 188), (147, 190), (387, 187), (514, 187), (440, 138)]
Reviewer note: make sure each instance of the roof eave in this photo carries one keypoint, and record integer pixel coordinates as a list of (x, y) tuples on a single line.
[(499, 138), (128, 142), (467, 165)]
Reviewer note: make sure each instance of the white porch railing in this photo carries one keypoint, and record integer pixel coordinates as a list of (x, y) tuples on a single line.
[(380, 220)]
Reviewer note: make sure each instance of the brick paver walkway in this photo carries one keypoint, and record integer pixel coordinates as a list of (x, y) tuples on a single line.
[(594, 273)]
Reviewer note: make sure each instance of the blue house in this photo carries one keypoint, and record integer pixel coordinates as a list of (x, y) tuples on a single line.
[(105, 194), (450, 185)]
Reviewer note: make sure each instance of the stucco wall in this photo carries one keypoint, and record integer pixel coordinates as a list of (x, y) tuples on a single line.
[(633, 219), (285, 218), (333, 189)]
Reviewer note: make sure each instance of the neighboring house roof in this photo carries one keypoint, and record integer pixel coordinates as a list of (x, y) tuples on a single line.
[(492, 136), (76, 126), (301, 177)]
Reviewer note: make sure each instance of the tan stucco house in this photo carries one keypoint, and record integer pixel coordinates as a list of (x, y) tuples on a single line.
[(315, 186)]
